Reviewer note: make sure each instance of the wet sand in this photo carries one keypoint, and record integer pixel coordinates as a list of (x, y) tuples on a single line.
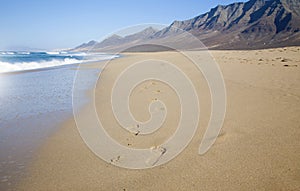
[(257, 149)]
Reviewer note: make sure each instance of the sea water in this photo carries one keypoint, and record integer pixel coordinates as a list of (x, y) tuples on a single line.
[(35, 97), (11, 61)]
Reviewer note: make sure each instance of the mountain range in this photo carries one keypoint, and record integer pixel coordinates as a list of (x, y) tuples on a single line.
[(254, 24)]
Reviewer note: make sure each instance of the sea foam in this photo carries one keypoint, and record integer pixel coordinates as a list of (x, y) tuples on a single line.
[(18, 61), (20, 66)]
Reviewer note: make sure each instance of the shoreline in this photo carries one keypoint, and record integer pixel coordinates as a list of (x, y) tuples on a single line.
[(262, 99), (33, 118)]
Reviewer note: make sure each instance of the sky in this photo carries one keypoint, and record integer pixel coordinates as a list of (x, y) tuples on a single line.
[(58, 24)]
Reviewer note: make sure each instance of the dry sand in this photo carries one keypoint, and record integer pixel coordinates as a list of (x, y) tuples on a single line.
[(258, 148)]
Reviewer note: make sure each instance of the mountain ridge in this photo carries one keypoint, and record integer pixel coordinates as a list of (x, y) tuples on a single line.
[(254, 24)]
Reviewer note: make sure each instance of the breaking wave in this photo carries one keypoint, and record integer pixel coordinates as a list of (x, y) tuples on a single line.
[(20, 66), (11, 61)]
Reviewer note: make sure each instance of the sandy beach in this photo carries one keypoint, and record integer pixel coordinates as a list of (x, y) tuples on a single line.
[(257, 149)]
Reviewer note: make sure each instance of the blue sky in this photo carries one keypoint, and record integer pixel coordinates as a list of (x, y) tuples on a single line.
[(51, 24)]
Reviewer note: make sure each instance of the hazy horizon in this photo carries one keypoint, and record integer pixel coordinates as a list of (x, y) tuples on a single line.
[(59, 25)]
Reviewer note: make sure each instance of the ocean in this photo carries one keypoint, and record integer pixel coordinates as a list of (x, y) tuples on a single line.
[(11, 61), (35, 97)]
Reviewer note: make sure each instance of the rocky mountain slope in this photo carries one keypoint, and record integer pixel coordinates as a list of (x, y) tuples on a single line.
[(252, 25)]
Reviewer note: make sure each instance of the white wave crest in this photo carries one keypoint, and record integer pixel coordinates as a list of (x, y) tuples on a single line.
[(24, 53), (7, 53), (52, 53), (78, 54), (21, 66)]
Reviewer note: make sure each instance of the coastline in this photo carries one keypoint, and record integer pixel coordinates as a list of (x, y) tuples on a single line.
[(35, 103), (257, 147)]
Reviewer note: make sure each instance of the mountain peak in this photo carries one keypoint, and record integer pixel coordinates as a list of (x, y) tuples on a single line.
[(242, 25), (114, 36), (87, 46), (146, 32), (149, 29), (91, 43)]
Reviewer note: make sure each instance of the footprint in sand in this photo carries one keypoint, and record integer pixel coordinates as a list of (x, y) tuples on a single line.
[(287, 65), (284, 60), (157, 153), (115, 160)]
